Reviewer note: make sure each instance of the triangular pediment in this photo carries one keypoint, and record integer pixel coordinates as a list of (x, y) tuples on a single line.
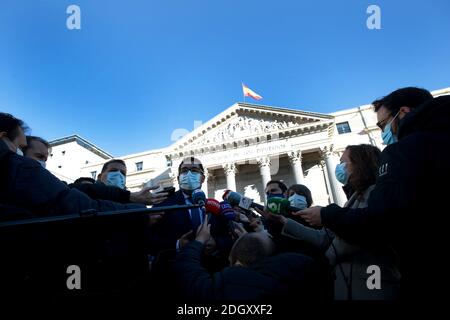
[(248, 121)]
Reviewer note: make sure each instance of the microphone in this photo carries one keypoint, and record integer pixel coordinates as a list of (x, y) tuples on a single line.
[(213, 207), (227, 211), (280, 206), (198, 197), (235, 199)]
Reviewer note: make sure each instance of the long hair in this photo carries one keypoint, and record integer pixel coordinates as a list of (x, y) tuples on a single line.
[(365, 160)]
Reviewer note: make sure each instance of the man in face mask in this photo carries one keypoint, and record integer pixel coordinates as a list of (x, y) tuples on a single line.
[(12, 133), (111, 185), (173, 230), (275, 189), (190, 176), (37, 149), (408, 200), (114, 173)]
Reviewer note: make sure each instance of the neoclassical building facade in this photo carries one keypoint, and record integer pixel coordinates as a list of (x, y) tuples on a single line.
[(247, 145)]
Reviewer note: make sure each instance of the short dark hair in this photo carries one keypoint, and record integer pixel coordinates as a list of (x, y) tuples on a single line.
[(84, 179), (10, 125), (251, 248), (30, 139), (105, 166), (410, 97), (365, 160), (302, 190), (282, 186), (191, 160)]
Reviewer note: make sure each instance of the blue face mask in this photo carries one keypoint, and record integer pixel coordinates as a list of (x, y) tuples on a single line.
[(298, 201), (116, 179), (341, 173), (274, 195), (190, 180), (387, 135)]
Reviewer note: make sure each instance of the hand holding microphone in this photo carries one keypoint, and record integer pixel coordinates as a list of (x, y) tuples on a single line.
[(147, 197), (280, 206), (235, 199), (310, 215)]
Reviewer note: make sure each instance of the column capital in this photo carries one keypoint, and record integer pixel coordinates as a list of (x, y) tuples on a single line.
[(295, 156), (229, 168), (263, 162), (327, 151)]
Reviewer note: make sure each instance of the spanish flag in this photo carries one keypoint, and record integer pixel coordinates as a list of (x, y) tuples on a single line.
[(250, 93)]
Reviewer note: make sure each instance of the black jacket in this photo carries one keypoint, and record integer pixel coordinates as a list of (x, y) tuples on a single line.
[(287, 276), (25, 184), (407, 206), (101, 191), (165, 233), (110, 250)]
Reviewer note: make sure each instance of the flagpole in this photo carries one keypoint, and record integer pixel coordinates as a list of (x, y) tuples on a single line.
[(243, 90)]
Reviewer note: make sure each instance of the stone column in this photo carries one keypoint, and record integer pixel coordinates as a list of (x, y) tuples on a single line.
[(264, 169), (338, 195), (295, 158), (205, 183), (230, 172)]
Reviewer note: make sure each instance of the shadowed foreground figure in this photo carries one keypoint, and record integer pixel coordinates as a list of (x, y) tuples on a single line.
[(255, 273)]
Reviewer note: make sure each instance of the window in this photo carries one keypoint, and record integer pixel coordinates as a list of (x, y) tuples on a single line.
[(59, 167), (139, 166), (63, 152), (94, 174), (87, 161), (343, 127)]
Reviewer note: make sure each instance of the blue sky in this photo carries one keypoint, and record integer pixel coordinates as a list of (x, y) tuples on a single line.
[(137, 70)]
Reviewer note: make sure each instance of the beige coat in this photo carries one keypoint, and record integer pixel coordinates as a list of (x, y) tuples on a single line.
[(351, 261)]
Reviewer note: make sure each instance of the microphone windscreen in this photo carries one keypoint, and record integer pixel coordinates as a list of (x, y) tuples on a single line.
[(212, 206), (225, 194), (227, 211), (233, 198), (278, 205), (198, 197)]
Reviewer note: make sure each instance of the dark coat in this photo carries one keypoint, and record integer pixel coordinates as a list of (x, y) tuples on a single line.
[(25, 184), (287, 276), (406, 208), (101, 191), (165, 233)]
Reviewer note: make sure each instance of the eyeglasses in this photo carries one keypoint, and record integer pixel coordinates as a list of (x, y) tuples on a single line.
[(193, 170), (381, 124)]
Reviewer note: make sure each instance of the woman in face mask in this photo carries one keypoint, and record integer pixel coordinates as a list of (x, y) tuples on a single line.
[(358, 170), (299, 196)]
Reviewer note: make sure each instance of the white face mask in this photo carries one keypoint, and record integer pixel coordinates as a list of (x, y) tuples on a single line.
[(116, 179), (42, 163), (190, 181)]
